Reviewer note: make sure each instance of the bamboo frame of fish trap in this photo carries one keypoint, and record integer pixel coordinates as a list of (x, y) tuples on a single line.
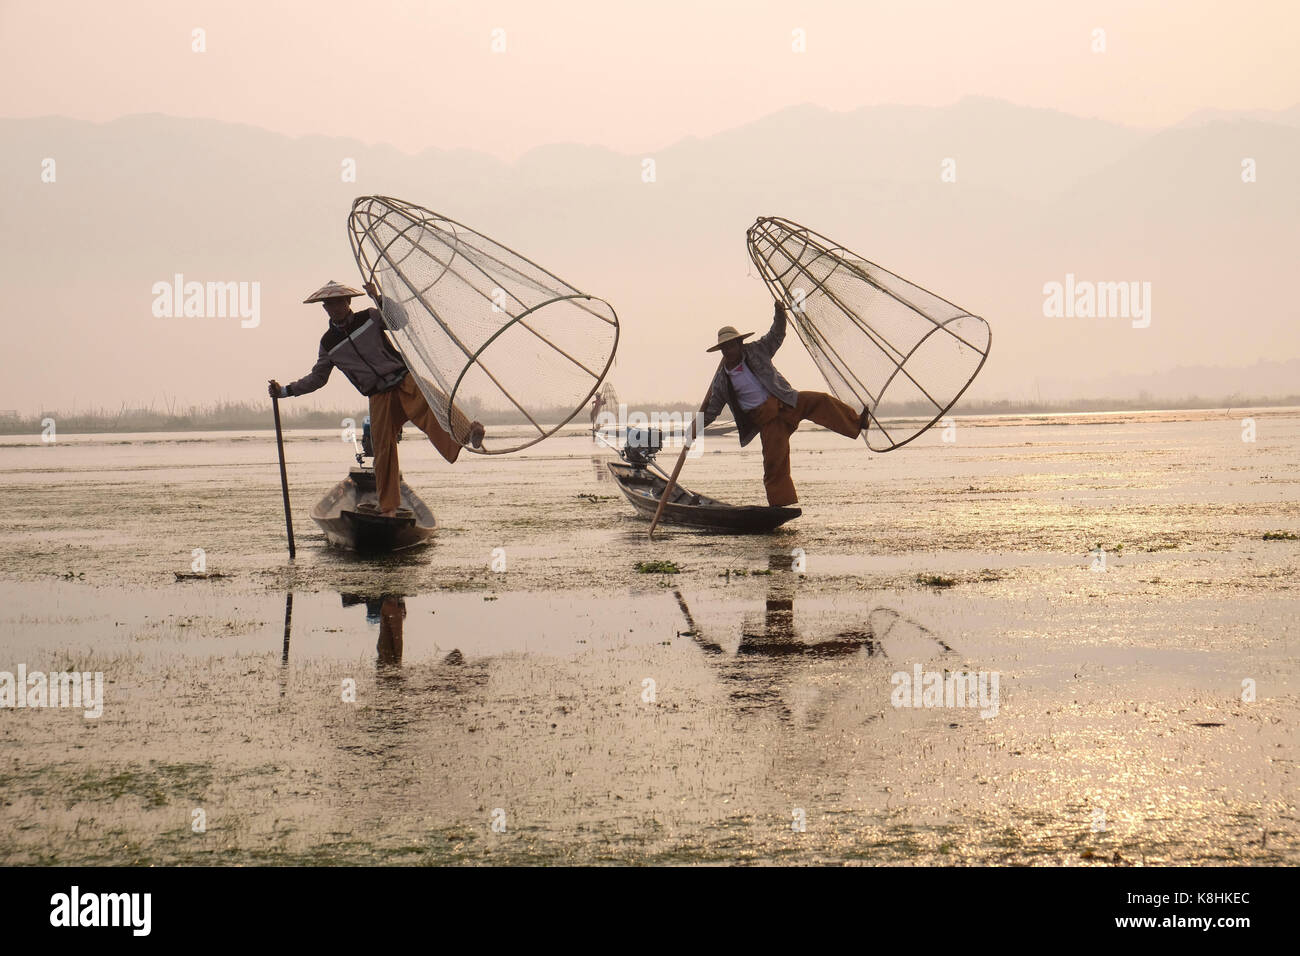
[(408, 223), (770, 234)]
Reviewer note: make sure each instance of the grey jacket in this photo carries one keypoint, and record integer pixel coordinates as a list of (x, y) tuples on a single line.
[(361, 351), (758, 356)]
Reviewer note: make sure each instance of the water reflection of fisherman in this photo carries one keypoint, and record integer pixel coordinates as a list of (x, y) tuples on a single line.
[(759, 675), (388, 611), (392, 612), (779, 636)]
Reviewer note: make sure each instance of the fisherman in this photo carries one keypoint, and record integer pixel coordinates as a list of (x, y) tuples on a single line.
[(764, 404), (355, 342)]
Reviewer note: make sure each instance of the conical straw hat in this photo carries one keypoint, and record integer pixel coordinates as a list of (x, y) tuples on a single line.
[(332, 290), (725, 335)]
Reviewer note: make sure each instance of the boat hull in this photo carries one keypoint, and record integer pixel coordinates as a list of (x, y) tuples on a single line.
[(349, 516), (643, 489)]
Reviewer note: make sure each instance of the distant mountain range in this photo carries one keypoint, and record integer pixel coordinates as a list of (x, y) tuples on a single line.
[(1287, 117), (1039, 194)]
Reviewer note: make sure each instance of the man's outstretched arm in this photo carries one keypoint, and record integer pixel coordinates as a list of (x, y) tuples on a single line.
[(318, 376), (776, 334)]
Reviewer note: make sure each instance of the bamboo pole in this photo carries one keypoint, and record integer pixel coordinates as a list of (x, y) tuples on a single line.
[(681, 460), (284, 476)]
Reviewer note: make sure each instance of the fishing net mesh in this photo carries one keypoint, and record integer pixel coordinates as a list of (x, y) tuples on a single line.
[(486, 332), (882, 343)]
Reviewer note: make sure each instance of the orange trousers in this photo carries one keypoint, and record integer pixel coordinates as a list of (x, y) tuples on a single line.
[(776, 422), (389, 411)]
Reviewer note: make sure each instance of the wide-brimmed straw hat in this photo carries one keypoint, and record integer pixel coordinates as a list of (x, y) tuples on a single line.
[(332, 290), (726, 334)]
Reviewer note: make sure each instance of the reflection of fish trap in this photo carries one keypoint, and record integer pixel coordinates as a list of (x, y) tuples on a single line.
[(482, 328), (878, 339)]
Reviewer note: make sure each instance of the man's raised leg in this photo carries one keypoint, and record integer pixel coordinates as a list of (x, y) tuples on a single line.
[(829, 412), (418, 411)]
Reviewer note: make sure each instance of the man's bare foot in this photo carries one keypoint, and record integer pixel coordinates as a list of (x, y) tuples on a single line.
[(476, 433), (864, 420)]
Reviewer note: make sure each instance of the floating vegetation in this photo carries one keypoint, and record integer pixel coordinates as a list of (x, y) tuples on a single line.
[(1280, 536), (585, 496), (744, 572), (156, 785), (657, 567), (935, 581)]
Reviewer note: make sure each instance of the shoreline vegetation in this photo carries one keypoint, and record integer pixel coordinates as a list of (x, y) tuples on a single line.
[(250, 416)]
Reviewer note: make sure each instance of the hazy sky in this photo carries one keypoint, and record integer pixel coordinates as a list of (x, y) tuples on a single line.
[(149, 199), (630, 76)]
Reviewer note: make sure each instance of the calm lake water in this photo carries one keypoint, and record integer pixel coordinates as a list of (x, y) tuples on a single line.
[(1111, 570)]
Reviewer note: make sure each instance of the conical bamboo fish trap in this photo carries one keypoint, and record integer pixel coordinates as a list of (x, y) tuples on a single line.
[(882, 343), (482, 328)]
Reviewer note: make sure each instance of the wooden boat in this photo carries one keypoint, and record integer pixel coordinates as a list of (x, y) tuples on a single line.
[(643, 488), (723, 426), (349, 516)]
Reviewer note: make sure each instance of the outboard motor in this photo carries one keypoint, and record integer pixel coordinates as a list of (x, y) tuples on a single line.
[(367, 448), (642, 446)]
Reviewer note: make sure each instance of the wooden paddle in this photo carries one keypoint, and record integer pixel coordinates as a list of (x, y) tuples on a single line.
[(284, 476), (681, 460)]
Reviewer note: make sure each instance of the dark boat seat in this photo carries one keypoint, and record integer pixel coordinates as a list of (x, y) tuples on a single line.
[(372, 508)]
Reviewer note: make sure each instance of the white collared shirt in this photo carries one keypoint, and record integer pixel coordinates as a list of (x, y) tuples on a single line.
[(748, 388)]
